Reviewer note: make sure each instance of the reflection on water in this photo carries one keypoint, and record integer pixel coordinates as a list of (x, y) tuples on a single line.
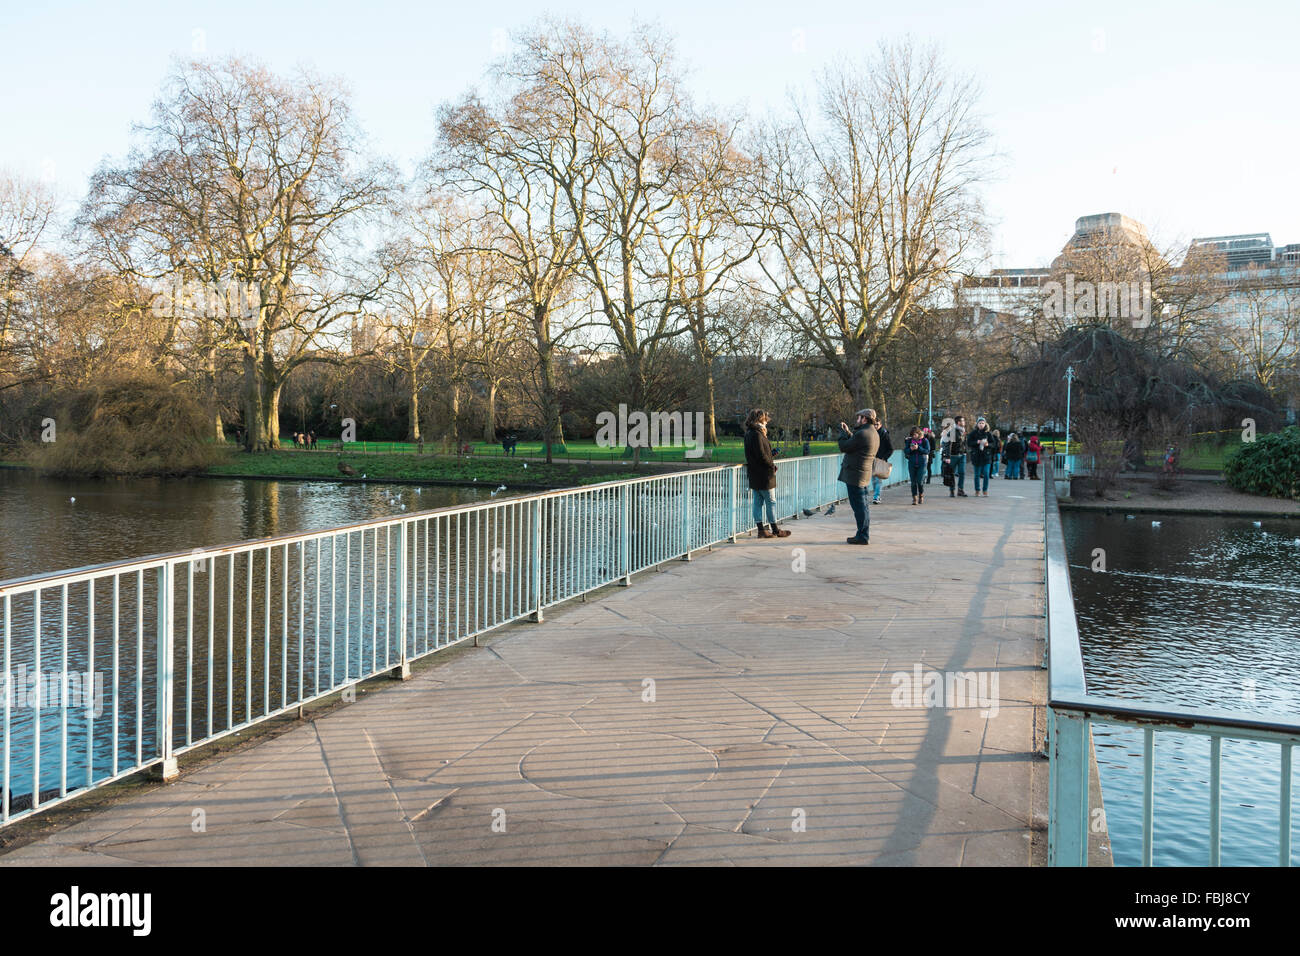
[(42, 529), (1199, 611)]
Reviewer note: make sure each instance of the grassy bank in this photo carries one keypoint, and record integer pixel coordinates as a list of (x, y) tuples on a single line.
[(407, 467)]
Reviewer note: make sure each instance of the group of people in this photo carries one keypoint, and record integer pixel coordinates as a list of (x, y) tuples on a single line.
[(867, 448), (304, 439)]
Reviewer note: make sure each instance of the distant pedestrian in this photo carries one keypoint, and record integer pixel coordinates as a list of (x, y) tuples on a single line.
[(995, 452), (916, 449), (980, 444), (1014, 454), (760, 466), (883, 452), (859, 447), (933, 439), (1033, 454), (953, 443)]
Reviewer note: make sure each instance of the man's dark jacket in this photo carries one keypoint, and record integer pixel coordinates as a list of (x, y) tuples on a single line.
[(859, 455)]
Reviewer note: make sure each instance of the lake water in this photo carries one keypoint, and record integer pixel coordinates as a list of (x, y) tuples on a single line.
[(1201, 611), (42, 529)]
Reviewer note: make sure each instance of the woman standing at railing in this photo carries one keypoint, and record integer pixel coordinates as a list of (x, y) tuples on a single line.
[(761, 467)]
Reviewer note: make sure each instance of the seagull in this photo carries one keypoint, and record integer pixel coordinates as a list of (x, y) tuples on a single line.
[(419, 491), (525, 466), (1155, 524), (72, 500), (1128, 517), (1258, 524)]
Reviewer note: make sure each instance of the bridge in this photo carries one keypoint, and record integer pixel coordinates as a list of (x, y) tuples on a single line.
[(613, 674)]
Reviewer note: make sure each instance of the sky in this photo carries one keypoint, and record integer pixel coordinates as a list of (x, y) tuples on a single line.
[(1182, 115)]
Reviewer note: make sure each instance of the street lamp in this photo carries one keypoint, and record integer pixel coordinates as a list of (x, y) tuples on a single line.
[(1069, 382), (929, 374)]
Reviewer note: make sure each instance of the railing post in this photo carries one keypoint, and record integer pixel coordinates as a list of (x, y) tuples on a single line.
[(731, 521), (1067, 826), (537, 560), (166, 768), (625, 506), (403, 669), (686, 517)]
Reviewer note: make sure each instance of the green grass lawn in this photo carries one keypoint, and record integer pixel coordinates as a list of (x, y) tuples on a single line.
[(729, 451), (407, 467)]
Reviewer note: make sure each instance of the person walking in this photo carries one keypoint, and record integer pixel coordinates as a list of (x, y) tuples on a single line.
[(859, 447), (884, 451), (761, 467), (980, 442), (933, 439), (916, 449), (1033, 454), (1014, 453), (954, 455)]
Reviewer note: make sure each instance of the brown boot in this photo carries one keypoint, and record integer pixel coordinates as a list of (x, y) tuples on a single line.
[(764, 533), (779, 532), (913, 499)]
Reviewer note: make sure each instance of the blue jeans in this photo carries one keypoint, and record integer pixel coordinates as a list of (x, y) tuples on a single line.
[(858, 501), (876, 484), (981, 478), (917, 474), (1013, 469), (959, 471), (763, 496)]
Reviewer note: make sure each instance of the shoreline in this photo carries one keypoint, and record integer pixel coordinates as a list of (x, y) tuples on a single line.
[(1192, 496)]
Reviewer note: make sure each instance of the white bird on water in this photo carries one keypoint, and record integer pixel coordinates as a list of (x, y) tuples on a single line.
[(497, 492), (72, 500), (1258, 524), (1155, 524)]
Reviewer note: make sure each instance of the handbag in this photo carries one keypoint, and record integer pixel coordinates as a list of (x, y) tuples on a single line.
[(1031, 457), (881, 467)]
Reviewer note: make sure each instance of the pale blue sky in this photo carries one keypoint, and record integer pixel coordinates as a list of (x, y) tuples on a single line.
[(1180, 114)]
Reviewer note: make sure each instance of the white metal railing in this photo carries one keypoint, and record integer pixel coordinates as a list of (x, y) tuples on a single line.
[(119, 667), (1071, 711)]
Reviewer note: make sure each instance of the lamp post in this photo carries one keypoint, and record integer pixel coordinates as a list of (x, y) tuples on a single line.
[(1069, 382), (929, 374)]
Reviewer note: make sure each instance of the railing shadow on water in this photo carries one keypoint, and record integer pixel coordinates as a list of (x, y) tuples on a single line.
[(121, 667), (1071, 712)]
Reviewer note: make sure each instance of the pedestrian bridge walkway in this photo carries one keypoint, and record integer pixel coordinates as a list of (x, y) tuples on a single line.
[(763, 703)]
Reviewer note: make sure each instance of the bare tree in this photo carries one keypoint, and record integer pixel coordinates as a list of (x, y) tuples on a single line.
[(246, 178), (870, 198)]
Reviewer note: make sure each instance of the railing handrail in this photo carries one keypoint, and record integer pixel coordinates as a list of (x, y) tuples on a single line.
[(147, 562)]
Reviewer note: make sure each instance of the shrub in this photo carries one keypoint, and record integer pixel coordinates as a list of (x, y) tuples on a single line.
[(1270, 465), (126, 425)]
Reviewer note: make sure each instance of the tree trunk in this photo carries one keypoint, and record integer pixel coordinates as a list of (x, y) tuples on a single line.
[(551, 430), (454, 424), (413, 409), (490, 419), (710, 418)]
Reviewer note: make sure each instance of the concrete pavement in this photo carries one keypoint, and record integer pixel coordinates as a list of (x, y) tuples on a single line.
[(746, 707)]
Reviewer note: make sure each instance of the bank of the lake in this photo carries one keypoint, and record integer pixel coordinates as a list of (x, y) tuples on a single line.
[(1200, 495), (418, 469)]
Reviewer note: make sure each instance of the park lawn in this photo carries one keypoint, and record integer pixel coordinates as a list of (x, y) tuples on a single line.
[(728, 451), (407, 467)]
